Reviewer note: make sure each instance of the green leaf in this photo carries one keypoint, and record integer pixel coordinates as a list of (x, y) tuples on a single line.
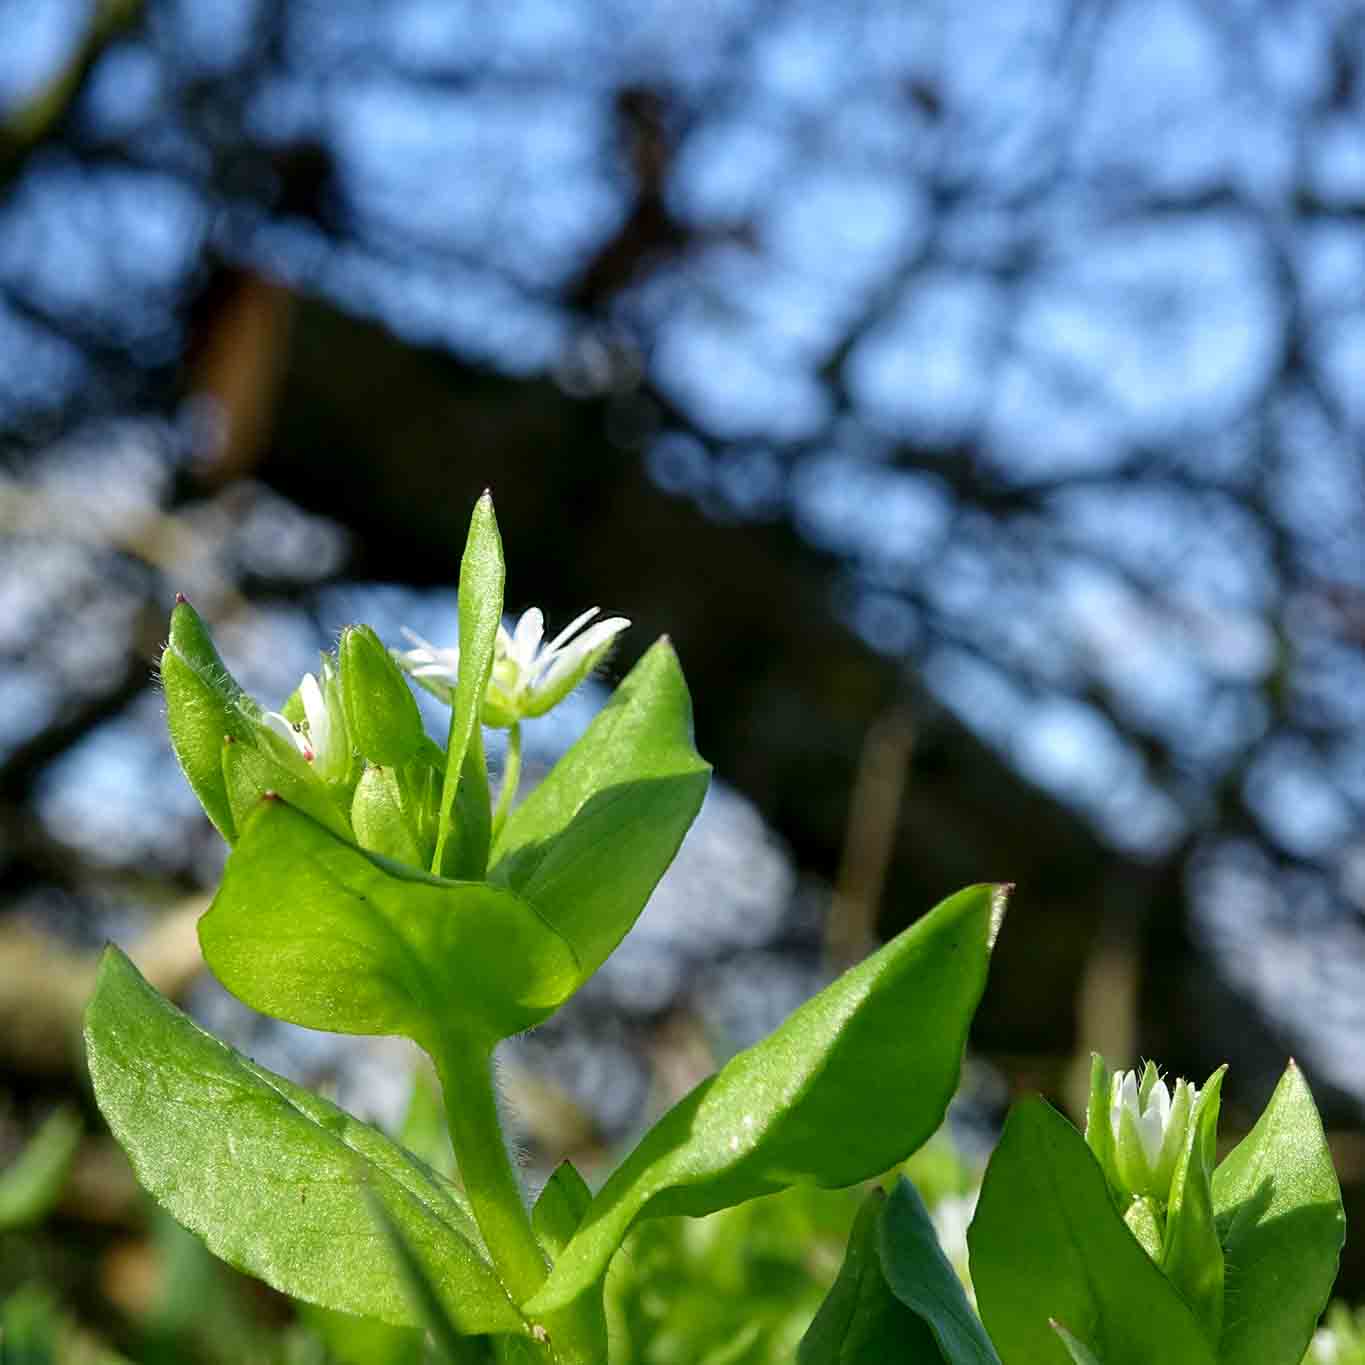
[(1143, 1220), (1080, 1353), (922, 1278), (480, 606), (861, 1322), (1048, 1243), (382, 719), (1192, 1256), (364, 1341), (1280, 1220), (589, 845), (265, 1172), (33, 1183), (557, 1214), (423, 1291), (204, 705), (560, 1208), (312, 929), (885, 1039)]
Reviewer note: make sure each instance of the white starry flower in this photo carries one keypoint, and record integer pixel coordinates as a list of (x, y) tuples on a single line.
[(528, 677)]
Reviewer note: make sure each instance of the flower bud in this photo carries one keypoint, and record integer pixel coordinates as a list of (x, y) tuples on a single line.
[(1149, 1127), (381, 714), (382, 822), (204, 705)]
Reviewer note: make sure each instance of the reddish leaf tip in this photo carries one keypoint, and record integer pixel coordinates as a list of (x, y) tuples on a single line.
[(181, 600)]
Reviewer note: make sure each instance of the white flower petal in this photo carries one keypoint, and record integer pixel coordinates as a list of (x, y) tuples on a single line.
[(571, 658), (564, 635), (285, 728), (526, 641)]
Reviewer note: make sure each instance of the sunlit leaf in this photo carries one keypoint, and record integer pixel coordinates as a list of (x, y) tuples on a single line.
[(1047, 1243), (265, 1172), (852, 1082), (1280, 1219), (589, 845), (311, 929)]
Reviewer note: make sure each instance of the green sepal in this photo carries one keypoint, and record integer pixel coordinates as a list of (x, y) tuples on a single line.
[(1192, 1256), (381, 713), (266, 1172), (1279, 1216), (1047, 1243), (204, 704), (885, 1039), (861, 1320), (381, 820), (1099, 1128), (482, 578), (587, 847), (313, 930), (1143, 1219), (266, 764)]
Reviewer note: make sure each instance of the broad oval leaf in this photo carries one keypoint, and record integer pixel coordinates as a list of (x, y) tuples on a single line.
[(1278, 1210), (589, 844), (920, 1276), (852, 1083), (1047, 1243), (861, 1322), (270, 1175), (311, 929)]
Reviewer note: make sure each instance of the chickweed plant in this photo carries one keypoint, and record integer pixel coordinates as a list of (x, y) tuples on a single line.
[(377, 884)]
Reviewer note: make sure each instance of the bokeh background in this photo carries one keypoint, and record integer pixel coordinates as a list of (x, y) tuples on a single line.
[(974, 393)]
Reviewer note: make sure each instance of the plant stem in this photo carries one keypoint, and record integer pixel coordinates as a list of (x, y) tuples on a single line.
[(511, 776), (490, 1182)]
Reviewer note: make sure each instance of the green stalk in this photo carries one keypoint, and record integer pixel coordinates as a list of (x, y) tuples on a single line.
[(511, 776), (465, 1068), (490, 1182)]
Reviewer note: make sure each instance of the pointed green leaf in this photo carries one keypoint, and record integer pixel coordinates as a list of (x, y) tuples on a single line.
[(885, 1039), (1080, 1353), (204, 705), (861, 1322), (589, 845), (922, 1278), (265, 1172), (1280, 1220), (1048, 1243), (33, 1182), (1192, 1257), (313, 930), (560, 1208), (382, 719), (480, 606)]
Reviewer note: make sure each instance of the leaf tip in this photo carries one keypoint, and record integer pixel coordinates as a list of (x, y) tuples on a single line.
[(1000, 896)]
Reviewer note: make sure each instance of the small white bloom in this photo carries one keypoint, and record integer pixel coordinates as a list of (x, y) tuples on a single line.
[(1149, 1128), (313, 738), (528, 678)]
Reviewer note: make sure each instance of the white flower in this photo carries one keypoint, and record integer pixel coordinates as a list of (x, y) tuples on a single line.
[(1149, 1129), (528, 678), (314, 738)]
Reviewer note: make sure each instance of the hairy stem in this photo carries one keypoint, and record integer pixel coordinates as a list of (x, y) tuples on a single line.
[(511, 776)]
